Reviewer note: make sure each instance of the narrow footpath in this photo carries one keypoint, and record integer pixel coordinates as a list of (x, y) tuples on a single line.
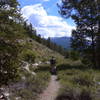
[(51, 91)]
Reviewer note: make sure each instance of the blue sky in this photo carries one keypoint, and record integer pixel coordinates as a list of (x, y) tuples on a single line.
[(44, 16)]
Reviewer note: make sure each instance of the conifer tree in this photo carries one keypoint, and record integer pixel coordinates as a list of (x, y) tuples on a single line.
[(10, 30), (86, 14)]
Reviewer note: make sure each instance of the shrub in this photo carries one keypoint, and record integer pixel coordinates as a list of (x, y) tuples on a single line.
[(9, 62), (86, 61), (29, 56), (85, 79), (33, 86), (78, 83), (74, 55), (70, 93), (85, 94)]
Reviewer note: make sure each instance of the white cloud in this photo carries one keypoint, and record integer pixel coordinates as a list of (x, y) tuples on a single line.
[(39, 0), (47, 26), (43, 0), (46, 0)]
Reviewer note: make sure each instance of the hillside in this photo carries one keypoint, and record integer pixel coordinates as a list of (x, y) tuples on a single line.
[(42, 52), (24, 66), (62, 41), (33, 70), (27, 71)]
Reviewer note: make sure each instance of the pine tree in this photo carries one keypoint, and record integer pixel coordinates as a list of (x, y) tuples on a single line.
[(10, 29), (86, 14), (78, 41)]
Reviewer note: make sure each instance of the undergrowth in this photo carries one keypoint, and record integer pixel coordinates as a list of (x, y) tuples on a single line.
[(32, 85), (78, 82)]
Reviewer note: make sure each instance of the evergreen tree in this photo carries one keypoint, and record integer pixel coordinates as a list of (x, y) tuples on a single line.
[(10, 30), (49, 42), (86, 14), (78, 41), (9, 63)]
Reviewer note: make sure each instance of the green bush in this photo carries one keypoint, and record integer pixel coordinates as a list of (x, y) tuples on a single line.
[(29, 56), (78, 82), (86, 62), (74, 55), (9, 62), (33, 86), (85, 79), (70, 93)]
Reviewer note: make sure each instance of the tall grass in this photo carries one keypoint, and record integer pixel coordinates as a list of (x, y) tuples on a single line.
[(77, 82)]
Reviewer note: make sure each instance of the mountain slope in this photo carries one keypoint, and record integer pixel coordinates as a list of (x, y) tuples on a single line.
[(33, 76), (62, 41), (42, 52)]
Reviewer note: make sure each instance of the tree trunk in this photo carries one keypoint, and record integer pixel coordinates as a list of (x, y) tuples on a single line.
[(93, 48), (98, 51), (98, 48)]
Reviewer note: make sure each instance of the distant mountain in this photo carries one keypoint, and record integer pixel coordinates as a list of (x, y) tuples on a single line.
[(62, 41)]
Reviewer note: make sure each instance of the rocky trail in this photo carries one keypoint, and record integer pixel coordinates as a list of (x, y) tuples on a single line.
[(51, 91)]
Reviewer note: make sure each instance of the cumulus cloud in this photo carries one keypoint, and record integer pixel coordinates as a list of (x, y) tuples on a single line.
[(46, 25), (42, 0), (39, 0), (46, 0)]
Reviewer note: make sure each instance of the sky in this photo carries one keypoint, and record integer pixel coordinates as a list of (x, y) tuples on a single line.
[(44, 17)]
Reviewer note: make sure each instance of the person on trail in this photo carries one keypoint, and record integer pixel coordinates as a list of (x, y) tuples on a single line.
[(53, 66)]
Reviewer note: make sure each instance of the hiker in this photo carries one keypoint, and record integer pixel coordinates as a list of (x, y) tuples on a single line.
[(53, 66)]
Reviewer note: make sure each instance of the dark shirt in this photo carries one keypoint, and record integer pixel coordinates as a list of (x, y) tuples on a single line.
[(52, 61)]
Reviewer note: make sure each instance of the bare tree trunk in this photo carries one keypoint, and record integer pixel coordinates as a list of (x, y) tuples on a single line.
[(98, 51), (93, 53), (93, 48), (98, 47)]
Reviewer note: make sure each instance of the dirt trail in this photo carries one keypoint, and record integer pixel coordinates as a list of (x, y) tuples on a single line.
[(51, 91)]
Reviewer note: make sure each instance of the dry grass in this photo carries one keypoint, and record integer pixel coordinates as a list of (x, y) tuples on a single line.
[(78, 82)]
